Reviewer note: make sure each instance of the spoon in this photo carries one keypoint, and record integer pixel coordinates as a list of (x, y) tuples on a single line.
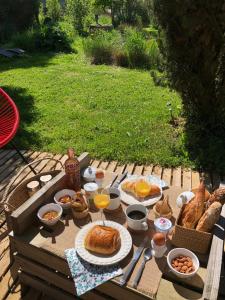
[(147, 256)]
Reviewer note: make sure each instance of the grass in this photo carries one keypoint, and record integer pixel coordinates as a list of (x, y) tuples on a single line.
[(114, 113)]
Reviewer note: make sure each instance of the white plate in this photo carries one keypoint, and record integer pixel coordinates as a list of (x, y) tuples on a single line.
[(103, 260), (130, 199)]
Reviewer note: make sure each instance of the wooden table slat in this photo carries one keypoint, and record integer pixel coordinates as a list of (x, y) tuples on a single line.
[(187, 179), (157, 170), (120, 169), (148, 170), (138, 170), (176, 181), (96, 163), (167, 176), (129, 168), (103, 165), (112, 166)]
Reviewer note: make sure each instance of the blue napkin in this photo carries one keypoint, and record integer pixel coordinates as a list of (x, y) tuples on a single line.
[(87, 276)]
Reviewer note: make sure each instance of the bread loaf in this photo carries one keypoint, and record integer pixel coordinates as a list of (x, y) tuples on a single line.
[(210, 217), (194, 209), (102, 240), (217, 195)]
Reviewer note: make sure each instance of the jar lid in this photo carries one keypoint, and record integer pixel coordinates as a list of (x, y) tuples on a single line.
[(33, 184), (163, 223), (89, 173), (46, 178), (90, 187)]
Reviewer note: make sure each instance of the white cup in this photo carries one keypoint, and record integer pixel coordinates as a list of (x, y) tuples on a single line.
[(114, 202), (137, 224)]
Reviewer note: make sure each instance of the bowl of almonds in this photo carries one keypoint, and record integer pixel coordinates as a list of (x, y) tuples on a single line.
[(182, 262)]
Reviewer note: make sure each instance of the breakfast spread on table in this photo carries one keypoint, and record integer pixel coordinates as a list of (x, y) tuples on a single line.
[(103, 243)]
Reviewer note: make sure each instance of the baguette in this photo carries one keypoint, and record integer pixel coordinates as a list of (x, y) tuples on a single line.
[(210, 217)]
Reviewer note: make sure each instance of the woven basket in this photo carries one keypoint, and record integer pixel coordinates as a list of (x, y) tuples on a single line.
[(197, 241), (14, 197)]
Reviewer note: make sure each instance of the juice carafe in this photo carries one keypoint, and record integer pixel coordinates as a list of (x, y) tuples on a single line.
[(72, 169)]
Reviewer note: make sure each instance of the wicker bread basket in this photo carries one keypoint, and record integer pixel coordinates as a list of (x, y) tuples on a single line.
[(197, 241), (14, 197)]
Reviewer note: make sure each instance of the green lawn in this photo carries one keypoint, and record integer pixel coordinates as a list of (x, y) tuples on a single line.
[(111, 112)]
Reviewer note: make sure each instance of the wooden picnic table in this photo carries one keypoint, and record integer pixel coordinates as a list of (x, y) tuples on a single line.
[(39, 253)]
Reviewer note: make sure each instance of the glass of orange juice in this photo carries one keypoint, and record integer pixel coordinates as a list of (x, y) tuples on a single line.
[(102, 201)]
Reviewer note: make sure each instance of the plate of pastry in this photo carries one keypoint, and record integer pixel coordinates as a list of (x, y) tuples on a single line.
[(103, 245), (140, 189)]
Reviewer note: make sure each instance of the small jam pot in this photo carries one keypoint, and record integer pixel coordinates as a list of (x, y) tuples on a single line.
[(45, 179), (33, 187), (162, 225), (91, 190)]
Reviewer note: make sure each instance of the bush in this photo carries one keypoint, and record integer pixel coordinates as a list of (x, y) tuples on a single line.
[(136, 47), (53, 9), (78, 11), (46, 37), (101, 47)]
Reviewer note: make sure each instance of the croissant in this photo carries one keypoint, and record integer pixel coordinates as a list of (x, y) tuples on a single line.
[(163, 207), (103, 240), (194, 209), (133, 187)]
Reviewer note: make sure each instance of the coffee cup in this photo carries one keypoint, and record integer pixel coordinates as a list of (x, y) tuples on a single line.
[(136, 215), (114, 195)]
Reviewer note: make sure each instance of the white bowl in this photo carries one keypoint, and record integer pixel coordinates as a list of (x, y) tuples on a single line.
[(49, 207), (62, 193), (182, 251)]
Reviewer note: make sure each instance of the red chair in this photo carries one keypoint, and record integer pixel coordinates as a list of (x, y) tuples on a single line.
[(9, 122)]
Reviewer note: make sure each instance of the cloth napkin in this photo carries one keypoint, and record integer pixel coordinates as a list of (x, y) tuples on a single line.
[(87, 276)]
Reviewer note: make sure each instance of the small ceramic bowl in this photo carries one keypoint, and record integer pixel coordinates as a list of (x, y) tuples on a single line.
[(49, 207), (182, 251), (62, 193)]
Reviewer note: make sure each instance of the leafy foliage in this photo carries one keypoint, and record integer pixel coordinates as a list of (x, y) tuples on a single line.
[(16, 15), (54, 10), (45, 38), (195, 50), (78, 11)]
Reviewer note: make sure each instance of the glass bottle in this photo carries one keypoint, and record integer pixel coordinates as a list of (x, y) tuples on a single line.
[(72, 169)]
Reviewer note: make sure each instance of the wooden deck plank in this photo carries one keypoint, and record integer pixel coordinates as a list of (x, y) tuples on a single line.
[(176, 181), (103, 165), (5, 257), (51, 163), (96, 163), (148, 170), (157, 171), (120, 169), (167, 176), (195, 179), (8, 280), (129, 168), (15, 293), (27, 171), (187, 179), (4, 153), (138, 170), (112, 166), (7, 156), (10, 172)]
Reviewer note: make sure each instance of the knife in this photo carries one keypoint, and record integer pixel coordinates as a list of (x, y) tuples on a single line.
[(133, 262), (117, 183)]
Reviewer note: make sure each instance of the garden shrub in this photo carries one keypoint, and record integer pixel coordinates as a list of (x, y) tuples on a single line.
[(79, 11), (101, 47), (44, 38), (54, 10), (136, 47)]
